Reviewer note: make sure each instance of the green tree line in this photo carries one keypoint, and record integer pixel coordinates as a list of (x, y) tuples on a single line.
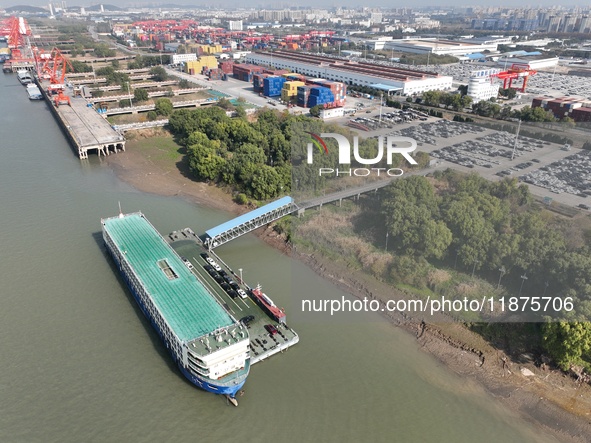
[(487, 226)]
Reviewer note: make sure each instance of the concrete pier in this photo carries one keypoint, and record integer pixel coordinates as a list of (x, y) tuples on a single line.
[(85, 128)]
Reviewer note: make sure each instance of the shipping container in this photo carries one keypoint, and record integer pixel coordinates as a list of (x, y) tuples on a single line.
[(272, 86)]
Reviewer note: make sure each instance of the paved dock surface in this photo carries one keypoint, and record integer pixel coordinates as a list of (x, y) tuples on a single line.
[(88, 130), (263, 344)]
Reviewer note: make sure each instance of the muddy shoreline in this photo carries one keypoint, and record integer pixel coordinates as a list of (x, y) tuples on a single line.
[(547, 398)]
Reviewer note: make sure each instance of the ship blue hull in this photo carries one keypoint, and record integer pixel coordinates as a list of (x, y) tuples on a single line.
[(206, 385)]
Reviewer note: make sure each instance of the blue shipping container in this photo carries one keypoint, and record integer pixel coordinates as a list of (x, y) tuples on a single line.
[(272, 86)]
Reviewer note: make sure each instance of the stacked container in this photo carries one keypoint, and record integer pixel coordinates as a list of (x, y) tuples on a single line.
[(295, 77), (290, 90), (197, 66), (215, 74), (339, 90), (319, 95), (272, 86), (303, 96), (245, 72), (257, 82), (226, 66), (276, 71)]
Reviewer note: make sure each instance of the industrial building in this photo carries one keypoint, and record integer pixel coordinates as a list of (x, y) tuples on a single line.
[(183, 58), (482, 86), (532, 62), (388, 78), (431, 46)]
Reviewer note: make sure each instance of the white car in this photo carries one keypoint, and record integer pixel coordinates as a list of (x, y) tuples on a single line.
[(188, 264), (241, 293)]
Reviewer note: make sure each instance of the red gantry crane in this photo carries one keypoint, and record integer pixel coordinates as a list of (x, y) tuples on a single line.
[(515, 72), (18, 33), (54, 68)]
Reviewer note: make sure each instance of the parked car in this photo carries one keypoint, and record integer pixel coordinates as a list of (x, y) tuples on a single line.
[(247, 319), (271, 329), (188, 264)]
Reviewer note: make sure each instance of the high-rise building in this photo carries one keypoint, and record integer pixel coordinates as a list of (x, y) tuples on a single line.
[(553, 23), (585, 24), (568, 23), (235, 25), (375, 18)]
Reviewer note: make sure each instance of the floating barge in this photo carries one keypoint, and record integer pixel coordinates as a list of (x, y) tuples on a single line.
[(209, 346), (213, 334)]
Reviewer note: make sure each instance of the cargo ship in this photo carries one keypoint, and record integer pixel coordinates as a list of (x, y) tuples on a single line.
[(267, 305), (34, 92), (24, 77), (210, 347)]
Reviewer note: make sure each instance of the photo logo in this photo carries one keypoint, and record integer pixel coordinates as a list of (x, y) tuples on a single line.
[(393, 145), (317, 140)]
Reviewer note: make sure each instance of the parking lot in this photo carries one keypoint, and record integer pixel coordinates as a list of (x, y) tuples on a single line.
[(559, 85), (572, 175), (548, 168), (389, 119)]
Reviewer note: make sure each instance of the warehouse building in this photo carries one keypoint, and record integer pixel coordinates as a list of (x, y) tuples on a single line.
[(530, 60), (432, 46), (398, 80)]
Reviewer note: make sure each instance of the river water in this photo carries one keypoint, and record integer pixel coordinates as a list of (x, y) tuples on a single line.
[(79, 363)]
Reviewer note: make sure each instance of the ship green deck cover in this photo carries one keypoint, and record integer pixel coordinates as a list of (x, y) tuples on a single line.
[(189, 309)]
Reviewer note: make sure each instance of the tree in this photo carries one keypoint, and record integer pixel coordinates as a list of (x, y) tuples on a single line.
[(102, 50), (152, 115), (567, 342), (315, 111), (529, 114), (240, 112), (486, 109), (204, 161), (224, 103), (466, 101), (568, 122), (432, 98), (163, 106), (265, 183), (140, 95), (80, 67), (184, 84), (159, 73)]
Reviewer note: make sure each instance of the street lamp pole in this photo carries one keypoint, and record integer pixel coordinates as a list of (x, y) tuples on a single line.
[(502, 270), (387, 233), (129, 92), (240, 271), (516, 138), (474, 267), (523, 279)]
